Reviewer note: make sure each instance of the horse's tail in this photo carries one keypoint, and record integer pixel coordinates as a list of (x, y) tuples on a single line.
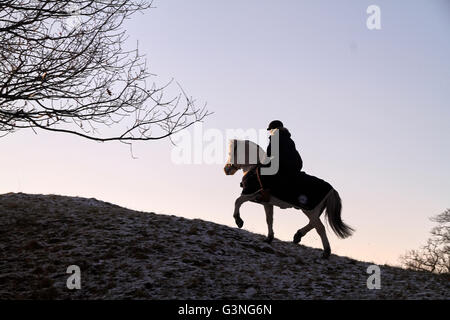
[(333, 213)]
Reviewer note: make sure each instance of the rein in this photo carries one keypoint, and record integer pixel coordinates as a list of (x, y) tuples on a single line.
[(234, 156), (265, 194)]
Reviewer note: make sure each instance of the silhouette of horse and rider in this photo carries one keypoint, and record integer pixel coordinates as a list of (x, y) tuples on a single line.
[(277, 179)]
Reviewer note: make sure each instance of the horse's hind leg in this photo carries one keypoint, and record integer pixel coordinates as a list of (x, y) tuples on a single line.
[(320, 228), (303, 231), (314, 222), (269, 218)]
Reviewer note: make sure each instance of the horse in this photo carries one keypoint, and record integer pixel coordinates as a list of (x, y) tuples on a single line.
[(246, 150)]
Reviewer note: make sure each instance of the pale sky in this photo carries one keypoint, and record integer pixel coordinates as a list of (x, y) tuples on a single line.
[(369, 112)]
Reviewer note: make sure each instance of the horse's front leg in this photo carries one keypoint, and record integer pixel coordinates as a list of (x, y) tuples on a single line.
[(269, 218), (237, 205)]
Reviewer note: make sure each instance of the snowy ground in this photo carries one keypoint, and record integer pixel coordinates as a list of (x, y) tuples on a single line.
[(125, 254)]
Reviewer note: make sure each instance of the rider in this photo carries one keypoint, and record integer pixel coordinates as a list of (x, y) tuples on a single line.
[(283, 183)]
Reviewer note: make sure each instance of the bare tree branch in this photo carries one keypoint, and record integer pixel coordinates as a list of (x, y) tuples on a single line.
[(435, 255), (64, 68)]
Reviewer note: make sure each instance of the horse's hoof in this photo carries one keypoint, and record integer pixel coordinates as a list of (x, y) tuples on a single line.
[(326, 254), (239, 222), (297, 238), (269, 240)]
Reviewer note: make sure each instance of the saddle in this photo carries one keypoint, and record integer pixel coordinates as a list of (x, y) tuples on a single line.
[(300, 190)]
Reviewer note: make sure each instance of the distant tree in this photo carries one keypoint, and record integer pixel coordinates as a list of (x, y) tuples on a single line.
[(64, 68), (435, 255)]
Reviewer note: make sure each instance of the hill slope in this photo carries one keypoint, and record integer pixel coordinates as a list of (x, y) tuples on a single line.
[(137, 255)]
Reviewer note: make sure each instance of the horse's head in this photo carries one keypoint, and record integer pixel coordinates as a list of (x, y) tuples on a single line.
[(243, 154), (230, 169)]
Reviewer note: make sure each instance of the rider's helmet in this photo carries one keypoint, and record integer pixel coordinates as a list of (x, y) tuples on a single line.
[(276, 124)]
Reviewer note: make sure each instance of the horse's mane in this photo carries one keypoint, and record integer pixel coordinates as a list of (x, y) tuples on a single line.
[(249, 146)]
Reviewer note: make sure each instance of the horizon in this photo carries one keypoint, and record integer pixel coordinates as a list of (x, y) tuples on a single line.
[(367, 109)]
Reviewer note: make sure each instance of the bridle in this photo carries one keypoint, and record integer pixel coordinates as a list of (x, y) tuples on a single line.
[(231, 166)]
